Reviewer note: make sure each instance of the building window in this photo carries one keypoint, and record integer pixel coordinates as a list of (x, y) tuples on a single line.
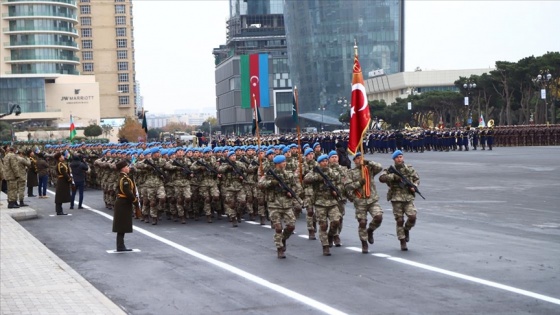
[(86, 32), (119, 0), (122, 54), (85, 9), (85, 20), (87, 44), (84, 1), (123, 88), (88, 67), (121, 31), (87, 55), (120, 20), (123, 77), (121, 43), (120, 9), (122, 65), (123, 100)]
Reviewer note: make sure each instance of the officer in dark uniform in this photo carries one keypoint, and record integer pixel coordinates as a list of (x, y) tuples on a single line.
[(126, 201)]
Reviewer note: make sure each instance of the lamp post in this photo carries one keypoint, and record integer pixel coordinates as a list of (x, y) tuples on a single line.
[(469, 86), (322, 110), (542, 81)]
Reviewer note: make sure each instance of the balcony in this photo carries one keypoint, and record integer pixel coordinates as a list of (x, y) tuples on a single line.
[(9, 16), (18, 43), (40, 58), (73, 72), (71, 3), (9, 30)]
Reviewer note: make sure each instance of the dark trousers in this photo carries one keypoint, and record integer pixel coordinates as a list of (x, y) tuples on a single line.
[(29, 191), (80, 190), (43, 181), (58, 207)]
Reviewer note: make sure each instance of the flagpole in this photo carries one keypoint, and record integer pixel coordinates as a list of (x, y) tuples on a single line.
[(258, 133), (300, 154)]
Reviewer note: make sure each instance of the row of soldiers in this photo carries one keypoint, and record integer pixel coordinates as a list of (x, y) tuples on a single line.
[(185, 183)]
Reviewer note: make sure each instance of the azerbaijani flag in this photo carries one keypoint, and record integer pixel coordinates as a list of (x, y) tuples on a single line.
[(254, 81), (72, 129)]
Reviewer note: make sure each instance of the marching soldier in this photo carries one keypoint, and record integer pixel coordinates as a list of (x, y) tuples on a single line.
[(402, 197), (361, 190), (341, 174), (233, 177)]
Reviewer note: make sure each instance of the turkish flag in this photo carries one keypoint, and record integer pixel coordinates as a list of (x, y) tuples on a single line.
[(359, 110)]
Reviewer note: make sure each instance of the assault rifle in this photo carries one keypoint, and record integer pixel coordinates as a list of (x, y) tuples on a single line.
[(185, 169), (208, 167), (405, 181), (329, 183), (244, 160), (235, 169), (283, 185), (160, 172)]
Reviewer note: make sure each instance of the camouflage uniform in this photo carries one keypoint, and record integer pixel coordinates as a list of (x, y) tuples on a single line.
[(24, 163), (207, 185), (311, 218), (233, 190), (365, 201), (12, 175), (180, 181), (154, 199), (280, 207), (402, 200), (326, 205), (341, 173)]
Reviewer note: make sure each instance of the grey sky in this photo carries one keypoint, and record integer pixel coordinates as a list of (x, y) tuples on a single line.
[(174, 42)]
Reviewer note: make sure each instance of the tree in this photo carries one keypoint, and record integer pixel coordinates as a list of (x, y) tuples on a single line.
[(93, 131), (131, 130), (211, 123), (107, 129), (175, 126), (5, 131), (153, 133)]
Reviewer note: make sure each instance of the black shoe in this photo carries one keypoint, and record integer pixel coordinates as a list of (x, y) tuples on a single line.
[(21, 204), (80, 207), (13, 205), (61, 213), (31, 196), (72, 208), (124, 249), (407, 235)]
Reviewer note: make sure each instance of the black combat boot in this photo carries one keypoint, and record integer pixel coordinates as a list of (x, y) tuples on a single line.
[(364, 247), (370, 236)]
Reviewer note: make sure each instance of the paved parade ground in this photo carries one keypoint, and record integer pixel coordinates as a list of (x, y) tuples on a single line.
[(487, 241)]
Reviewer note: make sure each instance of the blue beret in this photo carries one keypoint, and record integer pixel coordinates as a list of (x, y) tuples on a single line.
[(279, 159), (357, 155), (396, 153), (269, 152), (322, 158), (315, 144), (163, 151), (206, 150), (230, 153), (307, 151), (305, 146), (285, 150), (333, 152), (147, 151)]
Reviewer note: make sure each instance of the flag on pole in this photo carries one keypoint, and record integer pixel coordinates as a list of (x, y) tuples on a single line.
[(256, 118), (295, 110), (254, 80), (144, 122), (359, 107), (72, 128), (481, 122)]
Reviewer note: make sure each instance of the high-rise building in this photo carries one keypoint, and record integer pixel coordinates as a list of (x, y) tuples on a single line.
[(254, 27), (107, 51), (39, 64), (321, 36)]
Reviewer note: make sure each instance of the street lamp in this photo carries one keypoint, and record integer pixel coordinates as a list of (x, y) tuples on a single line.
[(322, 110), (542, 81), (469, 86)]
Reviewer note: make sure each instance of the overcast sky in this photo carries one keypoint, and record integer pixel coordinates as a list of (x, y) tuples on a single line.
[(174, 42)]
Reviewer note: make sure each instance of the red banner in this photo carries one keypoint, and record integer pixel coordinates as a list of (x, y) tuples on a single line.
[(359, 110)]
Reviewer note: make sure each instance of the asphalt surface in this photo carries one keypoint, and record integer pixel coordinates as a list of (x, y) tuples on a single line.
[(487, 241)]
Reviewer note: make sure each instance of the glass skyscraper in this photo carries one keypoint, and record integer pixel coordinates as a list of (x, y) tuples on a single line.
[(320, 37)]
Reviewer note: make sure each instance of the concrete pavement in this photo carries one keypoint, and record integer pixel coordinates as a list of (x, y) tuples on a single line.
[(33, 280)]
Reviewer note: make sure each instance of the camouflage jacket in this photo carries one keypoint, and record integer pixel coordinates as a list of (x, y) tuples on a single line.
[(276, 196), (354, 191), (230, 179), (397, 190), (322, 193)]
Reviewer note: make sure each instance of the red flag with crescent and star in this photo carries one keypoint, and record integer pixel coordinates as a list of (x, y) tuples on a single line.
[(359, 110)]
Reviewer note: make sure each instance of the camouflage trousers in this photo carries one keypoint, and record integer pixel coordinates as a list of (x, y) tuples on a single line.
[(252, 198), (311, 220), (154, 200), (277, 216), (362, 215), (207, 194), (182, 196), (20, 190), (400, 208), (170, 199), (261, 201), (234, 201), (143, 190), (341, 208), (12, 190), (329, 220)]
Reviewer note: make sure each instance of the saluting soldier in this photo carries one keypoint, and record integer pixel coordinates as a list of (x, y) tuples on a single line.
[(125, 202), (361, 190), (402, 197)]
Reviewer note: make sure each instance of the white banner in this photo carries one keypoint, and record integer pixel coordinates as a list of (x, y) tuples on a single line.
[(409, 105), (543, 94), (466, 100)]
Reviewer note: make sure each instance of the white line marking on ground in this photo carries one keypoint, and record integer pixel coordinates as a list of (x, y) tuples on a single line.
[(112, 251), (356, 249), (477, 280), (318, 305), (252, 222), (304, 236), (56, 215), (255, 279)]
